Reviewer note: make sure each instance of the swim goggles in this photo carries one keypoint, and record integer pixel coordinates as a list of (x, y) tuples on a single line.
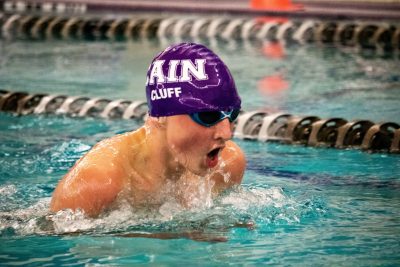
[(210, 118)]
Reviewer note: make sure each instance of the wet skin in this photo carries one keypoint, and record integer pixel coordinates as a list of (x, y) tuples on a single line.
[(139, 165)]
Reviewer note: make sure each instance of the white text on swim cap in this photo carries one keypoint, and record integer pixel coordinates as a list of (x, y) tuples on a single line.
[(188, 70), (165, 93)]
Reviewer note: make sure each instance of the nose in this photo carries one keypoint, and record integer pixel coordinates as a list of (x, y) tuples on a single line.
[(223, 130)]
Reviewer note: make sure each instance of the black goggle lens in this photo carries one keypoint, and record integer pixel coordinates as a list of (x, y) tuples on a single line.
[(209, 118)]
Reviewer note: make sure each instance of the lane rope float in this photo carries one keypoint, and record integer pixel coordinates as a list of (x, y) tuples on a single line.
[(380, 36), (255, 125)]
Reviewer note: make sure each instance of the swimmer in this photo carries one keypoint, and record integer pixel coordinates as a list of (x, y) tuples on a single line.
[(193, 103)]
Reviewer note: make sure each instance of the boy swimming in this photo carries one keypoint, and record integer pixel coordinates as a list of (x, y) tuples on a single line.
[(193, 103)]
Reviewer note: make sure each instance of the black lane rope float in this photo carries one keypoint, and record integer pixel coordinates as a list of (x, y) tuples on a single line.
[(380, 36), (255, 125)]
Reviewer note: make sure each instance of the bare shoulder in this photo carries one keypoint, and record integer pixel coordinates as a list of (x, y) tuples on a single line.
[(94, 181), (232, 167)]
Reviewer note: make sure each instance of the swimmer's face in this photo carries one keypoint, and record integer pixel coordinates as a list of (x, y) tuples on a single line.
[(194, 146)]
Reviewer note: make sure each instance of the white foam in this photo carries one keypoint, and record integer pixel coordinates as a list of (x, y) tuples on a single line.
[(67, 221), (8, 190), (37, 219), (25, 221), (170, 209), (244, 199)]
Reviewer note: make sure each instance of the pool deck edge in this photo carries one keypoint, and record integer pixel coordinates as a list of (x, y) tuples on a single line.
[(302, 9)]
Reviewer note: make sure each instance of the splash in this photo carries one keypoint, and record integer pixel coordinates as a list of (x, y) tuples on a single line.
[(244, 200), (24, 221), (196, 191), (8, 190), (262, 206), (249, 206)]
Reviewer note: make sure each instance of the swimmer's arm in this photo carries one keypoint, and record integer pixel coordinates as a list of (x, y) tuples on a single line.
[(91, 185), (233, 171)]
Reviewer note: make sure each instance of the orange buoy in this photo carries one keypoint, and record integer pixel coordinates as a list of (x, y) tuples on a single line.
[(273, 50), (273, 84), (275, 5)]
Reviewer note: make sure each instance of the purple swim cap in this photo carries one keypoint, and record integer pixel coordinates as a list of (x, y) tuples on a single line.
[(188, 78)]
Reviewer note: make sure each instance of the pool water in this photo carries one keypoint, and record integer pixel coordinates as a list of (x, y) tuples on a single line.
[(297, 205)]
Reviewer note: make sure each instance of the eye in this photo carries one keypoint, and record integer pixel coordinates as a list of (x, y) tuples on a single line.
[(209, 117)]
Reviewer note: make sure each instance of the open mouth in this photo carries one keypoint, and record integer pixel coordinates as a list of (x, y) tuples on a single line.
[(213, 153), (212, 157)]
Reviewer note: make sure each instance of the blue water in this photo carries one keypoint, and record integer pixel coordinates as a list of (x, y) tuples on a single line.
[(297, 205)]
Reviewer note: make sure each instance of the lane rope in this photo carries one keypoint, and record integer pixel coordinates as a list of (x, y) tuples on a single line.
[(255, 125), (381, 36)]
